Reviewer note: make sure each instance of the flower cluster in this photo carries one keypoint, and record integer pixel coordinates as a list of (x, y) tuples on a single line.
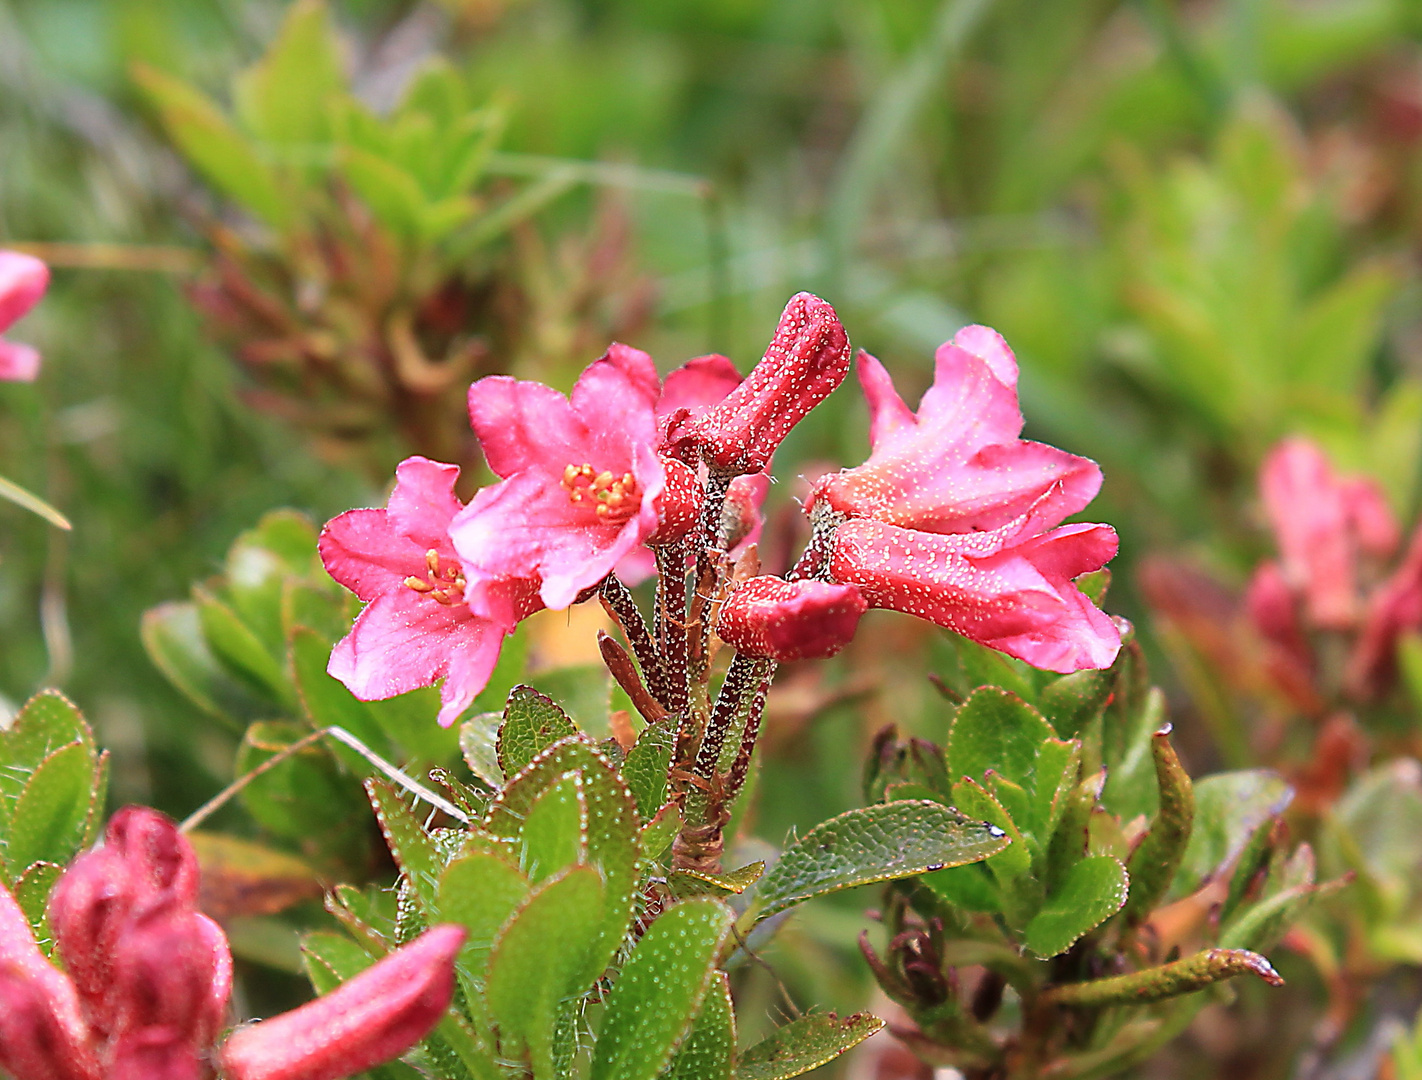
[(1336, 537), (146, 980), (953, 518), (23, 280)]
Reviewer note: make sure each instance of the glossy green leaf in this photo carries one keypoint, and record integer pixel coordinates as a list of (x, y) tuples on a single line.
[(1229, 807), (999, 732), (797, 1047), (480, 891), (555, 832), (709, 1050), (685, 883), (53, 810), (875, 843), (659, 833), (532, 723), (240, 651), (646, 765), (540, 961), (661, 987), (1093, 891)]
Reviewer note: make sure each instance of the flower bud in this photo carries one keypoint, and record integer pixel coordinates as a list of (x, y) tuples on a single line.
[(807, 359), (37, 1041), (172, 970), (678, 504), (740, 513), (158, 857), (154, 1054), (373, 1018), (790, 620)]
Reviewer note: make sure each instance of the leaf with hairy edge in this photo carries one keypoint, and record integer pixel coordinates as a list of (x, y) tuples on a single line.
[(1166, 981), (659, 833), (331, 959), (613, 838), (413, 849), (1229, 807), (47, 721), (53, 809), (32, 894), (555, 832), (997, 731), (478, 742), (805, 1044), (1093, 891), (532, 723), (1158, 856), (645, 769), (1074, 700), (684, 883), (540, 960), (875, 843), (656, 997), (709, 1050), (480, 892)]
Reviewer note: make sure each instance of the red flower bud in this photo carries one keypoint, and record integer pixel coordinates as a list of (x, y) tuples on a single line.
[(154, 1054), (373, 1018), (156, 854), (172, 970), (678, 504), (790, 620), (37, 1040), (807, 359)]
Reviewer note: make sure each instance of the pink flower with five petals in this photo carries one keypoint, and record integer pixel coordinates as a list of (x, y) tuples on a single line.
[(23, 280), (416, 627), (951, 517)]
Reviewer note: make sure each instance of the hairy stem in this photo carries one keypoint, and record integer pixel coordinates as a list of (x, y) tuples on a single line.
[(618, 603)]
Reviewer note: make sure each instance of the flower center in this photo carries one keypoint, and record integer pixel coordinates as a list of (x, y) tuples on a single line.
[(613, 498), (445, 584)]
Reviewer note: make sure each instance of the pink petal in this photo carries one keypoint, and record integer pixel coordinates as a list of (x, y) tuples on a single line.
[(404, 640), (372, 1018), (623, 377), (521, 425), (362, 551), (423, 502), (637, 566), (887, 411), (23, 280), (697, 385), (1304, 500), (1370, 518), (41, 1034), (18, 363), (991, 347), (154, 1054)]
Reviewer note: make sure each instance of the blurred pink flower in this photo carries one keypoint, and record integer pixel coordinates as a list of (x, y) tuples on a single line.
[(416, 627), (790, 620), (581, 482), (23, 280), (1394, 609), (806, 360), (1322, 523), (947, 519)]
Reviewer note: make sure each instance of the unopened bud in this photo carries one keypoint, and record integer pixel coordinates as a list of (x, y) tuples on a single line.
[(156, 854), (740, 513), (373, 1018), (154, 1054), (790, 620), (37, 1042), (678, 504), (806, 360), (172, 970)]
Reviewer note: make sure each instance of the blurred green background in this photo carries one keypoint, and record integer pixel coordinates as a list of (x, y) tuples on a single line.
[(1195, 222)]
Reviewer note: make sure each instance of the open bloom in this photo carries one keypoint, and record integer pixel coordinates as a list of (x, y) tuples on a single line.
[(952, 516), (581, 482), (416, 627), (1323, 523), (23, 280)]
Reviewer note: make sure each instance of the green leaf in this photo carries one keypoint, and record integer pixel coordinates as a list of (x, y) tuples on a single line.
[(659, 833), (53, 809), (805, 1044), (1093, 891), (214, 147), (331, 959), (540, 960), (875, 843), (261, 562), (47, 722), (1157, 857), (413, 848), (286, 96), (1229, 807), (1074, 700), (303, 796), (478, 740), (326, 701), (654, 1000), (988, 667), (999, 732), (709, 1050), (555, 832), (241, 651), (685, 883), (173, 638), (532, 723), (480, 891), (645, 768), (393, 195), (1166, 981), (32, 894)]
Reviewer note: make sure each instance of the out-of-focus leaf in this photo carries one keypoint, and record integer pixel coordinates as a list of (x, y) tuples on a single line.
[(241, 651), (1158, 856), (540, 960), (285, 97), (709, 1050), (875, 843), (13, 492), (326, 701), (657, 996), (532, 723), (801, 1045), (331, 959), (1229, 807), (240, 877), (1093, 891), (173, 638)]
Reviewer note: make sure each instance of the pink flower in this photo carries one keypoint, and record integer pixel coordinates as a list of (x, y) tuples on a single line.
[(790, 620), (957, 465), (581, 482), (372, 1018), (806, 360), (1006, 590), (416, 627), (948, 518), (1394, 609), (1322, 523), (23, 280)]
